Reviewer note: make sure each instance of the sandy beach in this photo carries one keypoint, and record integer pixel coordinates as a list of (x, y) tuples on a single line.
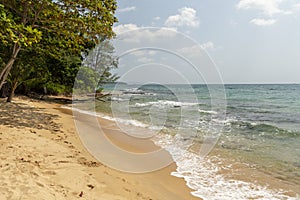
[(42, 157)]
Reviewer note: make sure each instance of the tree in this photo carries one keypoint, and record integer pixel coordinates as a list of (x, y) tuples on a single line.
[(62, 73), (14, 35), (28, 68), (19, 74), (101, 59), (96, 68), (51, 26)]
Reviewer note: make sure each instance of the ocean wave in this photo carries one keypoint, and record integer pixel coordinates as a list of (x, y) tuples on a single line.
[(208, 111), (201, 175), (123, 121), (87, 112), (165, 103), (118, 99), (137, 91), (261, 128), (131, 122)]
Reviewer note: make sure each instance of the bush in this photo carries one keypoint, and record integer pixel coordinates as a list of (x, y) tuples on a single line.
[(55, 89)]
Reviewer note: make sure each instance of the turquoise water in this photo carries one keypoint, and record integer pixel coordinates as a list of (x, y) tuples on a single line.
[(261, 125)]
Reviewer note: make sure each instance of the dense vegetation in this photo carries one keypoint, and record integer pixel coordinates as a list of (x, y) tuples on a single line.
[(43, 43)]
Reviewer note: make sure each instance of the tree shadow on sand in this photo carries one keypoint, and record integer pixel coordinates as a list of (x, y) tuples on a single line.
[(19, 115)]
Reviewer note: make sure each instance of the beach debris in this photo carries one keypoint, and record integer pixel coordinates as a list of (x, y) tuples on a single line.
[(91, 186), (81, 194), (37, 163), (33, 131), (39, 126), (85, 162), (23, 160)]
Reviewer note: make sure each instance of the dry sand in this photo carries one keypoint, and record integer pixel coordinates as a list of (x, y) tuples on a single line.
[(42, 158)]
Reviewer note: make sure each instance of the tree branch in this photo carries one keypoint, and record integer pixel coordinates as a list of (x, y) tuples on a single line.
[(36, 14), (12, 9)]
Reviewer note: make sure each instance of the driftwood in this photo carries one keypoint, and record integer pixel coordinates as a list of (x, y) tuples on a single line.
[(99, 96)]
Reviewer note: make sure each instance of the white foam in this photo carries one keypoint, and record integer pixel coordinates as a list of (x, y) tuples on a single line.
[(123, 121), (80, 111), (165, 103), (66, 107), (136, 91), (118, 99), (132, 90), (208, 111), (202, 176), (108, 118), (156, 128), (131, 122)]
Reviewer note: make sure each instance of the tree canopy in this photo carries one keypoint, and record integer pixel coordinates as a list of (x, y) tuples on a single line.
[(96, 68), (56, 30)]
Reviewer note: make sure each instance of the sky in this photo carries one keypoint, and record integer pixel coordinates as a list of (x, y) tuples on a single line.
[(240, 41)]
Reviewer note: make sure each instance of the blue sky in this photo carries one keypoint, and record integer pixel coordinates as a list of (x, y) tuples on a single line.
[(248, 41)]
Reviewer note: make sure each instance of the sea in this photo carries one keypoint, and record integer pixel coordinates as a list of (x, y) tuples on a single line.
[(254, 153)]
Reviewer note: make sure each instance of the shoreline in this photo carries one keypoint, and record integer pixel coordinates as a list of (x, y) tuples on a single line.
[(233, 171), (236, 175), (41, 140)]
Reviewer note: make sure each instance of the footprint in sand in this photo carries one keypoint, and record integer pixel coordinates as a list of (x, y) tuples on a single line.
[(49, 173), (34, 173), (62, 161), (83, 161), (40, 184), (127, 190)]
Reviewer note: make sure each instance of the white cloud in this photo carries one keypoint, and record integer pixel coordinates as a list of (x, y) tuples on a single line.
[(135, 33), (145, 60), (157, 18), (186, 17), (144, 53), (296, 6), (208, 45), (268, 7), (152, 53), (127, 9), (138, 53), (192, 51), (263, 22), (122, 28), (144, 56), (196, 50)]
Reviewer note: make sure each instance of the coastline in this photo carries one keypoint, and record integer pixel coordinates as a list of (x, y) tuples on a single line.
[(234, 171), (42, 157)]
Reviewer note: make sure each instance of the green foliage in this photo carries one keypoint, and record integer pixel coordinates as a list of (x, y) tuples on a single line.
[(29, 71), (63, 71), (102, 60), (14, 32), (55, 88), (68, 24), (52, 36), (35, 72), (86, 81)]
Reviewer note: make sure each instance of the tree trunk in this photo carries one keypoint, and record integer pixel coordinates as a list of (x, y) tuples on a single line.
[(4, 92), (5, 71), (12, 91)]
